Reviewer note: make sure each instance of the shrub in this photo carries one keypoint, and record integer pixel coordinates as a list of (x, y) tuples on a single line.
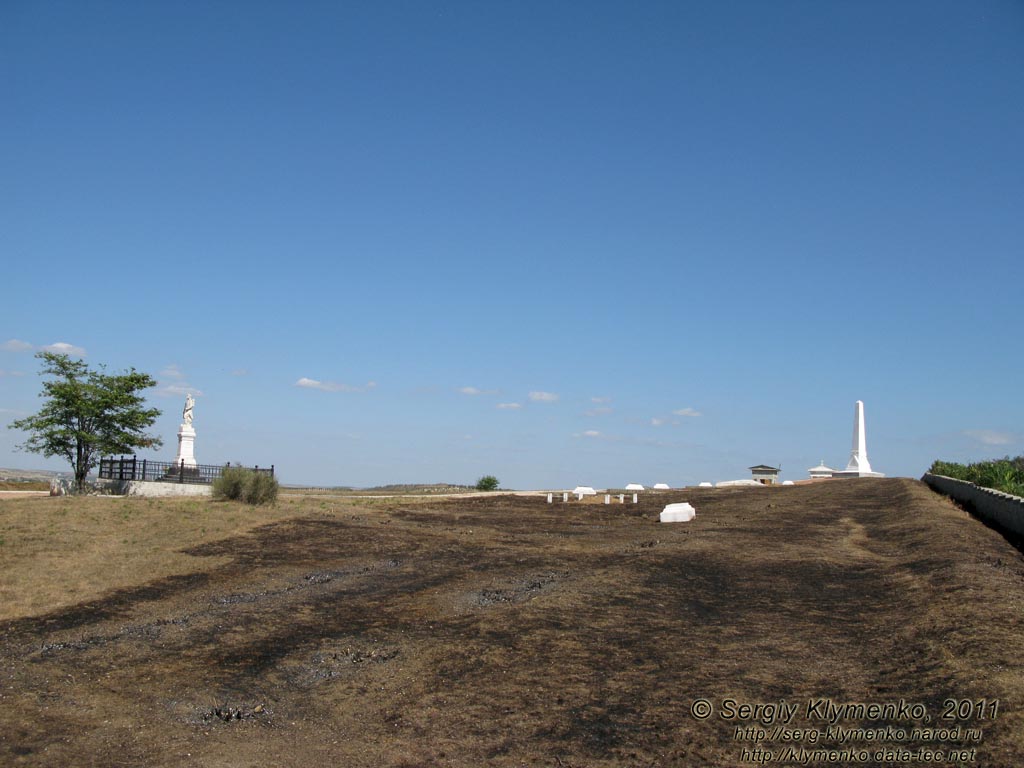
[(488, 483), (241, 484), (261, 488), (1004, 474), (230, 483)]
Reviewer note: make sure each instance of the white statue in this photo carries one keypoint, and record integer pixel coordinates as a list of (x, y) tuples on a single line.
[(186, 414)]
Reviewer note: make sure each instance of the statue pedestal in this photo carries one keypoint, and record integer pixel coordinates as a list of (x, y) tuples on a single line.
[(186, 446)]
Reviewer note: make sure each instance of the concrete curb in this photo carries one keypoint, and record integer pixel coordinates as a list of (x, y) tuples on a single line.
[(1003, 510)]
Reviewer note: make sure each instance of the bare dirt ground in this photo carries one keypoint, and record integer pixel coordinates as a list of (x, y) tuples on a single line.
[(504, 631)]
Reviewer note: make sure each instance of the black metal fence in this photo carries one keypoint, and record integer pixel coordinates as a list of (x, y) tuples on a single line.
[(133, 468)]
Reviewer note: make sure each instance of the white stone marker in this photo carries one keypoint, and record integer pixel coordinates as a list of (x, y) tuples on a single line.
[(186, 436), (678, 513), (859, 465), (565, 497), (634, 498), (549, 497), (607, 498), (622, 498)]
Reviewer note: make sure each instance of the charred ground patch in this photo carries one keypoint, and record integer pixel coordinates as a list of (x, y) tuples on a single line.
[(505, 631)]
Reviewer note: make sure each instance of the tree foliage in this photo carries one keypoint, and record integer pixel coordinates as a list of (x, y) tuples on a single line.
[(488, 483), (88, 414)]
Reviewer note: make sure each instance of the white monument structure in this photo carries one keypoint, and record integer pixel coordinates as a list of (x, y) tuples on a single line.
[(859, 465), (186, 436)]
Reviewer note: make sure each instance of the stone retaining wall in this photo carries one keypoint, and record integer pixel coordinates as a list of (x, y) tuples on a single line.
[(995, 507), (147, 488)]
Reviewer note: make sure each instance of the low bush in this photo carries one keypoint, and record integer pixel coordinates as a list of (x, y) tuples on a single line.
[(230, 483), (261, 488), (241, 484), (1006, 474)]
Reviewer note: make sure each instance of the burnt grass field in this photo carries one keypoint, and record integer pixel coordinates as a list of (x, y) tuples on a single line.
[(505, 631)]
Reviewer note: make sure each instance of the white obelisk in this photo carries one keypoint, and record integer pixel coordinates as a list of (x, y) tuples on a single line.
[(186, 436), (859, 465)]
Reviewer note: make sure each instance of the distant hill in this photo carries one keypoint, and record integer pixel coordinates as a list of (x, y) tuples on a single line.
[(396, 489), (432, 488), (28, 475)]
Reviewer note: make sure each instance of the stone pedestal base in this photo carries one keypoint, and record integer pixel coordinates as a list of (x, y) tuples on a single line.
[(186, 446)]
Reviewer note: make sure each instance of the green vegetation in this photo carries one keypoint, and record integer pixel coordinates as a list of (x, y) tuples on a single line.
[(1006, 474), (88, 414), (248, 485), (488, 483)]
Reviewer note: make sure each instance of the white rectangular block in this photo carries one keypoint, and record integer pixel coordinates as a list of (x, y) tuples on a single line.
[(678, 513)]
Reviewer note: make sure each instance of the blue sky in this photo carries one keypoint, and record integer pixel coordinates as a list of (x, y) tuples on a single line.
[(560, 243)]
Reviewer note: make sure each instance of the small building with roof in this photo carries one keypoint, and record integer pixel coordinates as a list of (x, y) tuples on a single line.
[(820, 472), (765, 475)]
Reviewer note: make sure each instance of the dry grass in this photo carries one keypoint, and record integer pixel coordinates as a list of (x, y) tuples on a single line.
[(491, 631), (57, 552), (27, 485)]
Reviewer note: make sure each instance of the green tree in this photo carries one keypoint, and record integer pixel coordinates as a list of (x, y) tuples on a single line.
[(88, 414), (488, 483)]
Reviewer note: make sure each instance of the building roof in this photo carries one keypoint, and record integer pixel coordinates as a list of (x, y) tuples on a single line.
[(765, 467), (821, 468)]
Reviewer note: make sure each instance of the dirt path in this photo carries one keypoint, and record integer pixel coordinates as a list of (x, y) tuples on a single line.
[(505, 631)]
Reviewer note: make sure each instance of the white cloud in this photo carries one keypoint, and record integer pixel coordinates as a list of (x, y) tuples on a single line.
[(990, 437), (509, 406), (174, 383), (63, 348), (178, 390), (543, 397), (686, 412), (602, 411), (14, 345), (172, 371), (657, 422), (333, 386), (475, 391), (591, 433), (600, 400)]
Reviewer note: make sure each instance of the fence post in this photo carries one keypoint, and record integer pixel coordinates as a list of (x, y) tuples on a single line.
[(134, 459), (120, 468), (271, 470), (144, 469), (181, 472)]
